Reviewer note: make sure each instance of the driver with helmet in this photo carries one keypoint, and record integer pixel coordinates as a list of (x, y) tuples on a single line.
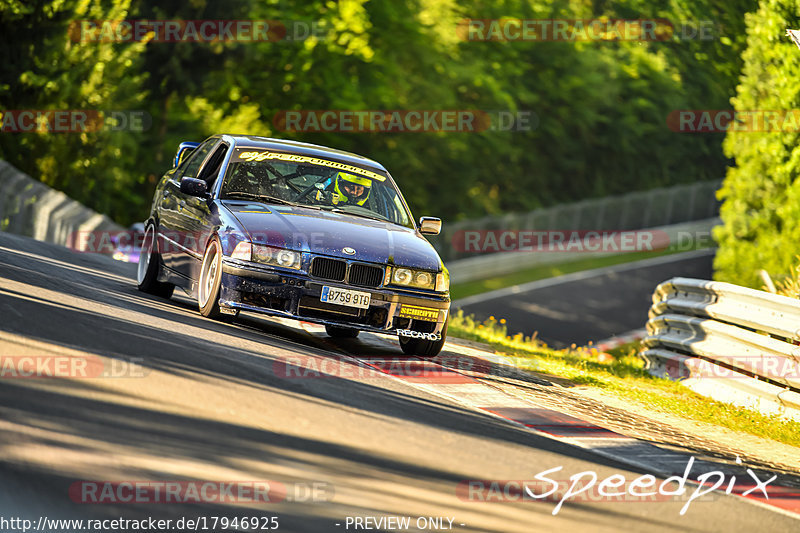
[(352, 189)]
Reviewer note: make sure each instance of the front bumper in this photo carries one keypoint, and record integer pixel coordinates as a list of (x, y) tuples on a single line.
[(296, 295)]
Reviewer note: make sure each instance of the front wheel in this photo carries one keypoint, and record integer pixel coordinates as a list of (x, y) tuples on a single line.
[(421, 347), (147, 271), (210, 280)]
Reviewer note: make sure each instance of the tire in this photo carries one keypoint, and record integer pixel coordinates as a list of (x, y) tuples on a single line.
[(341, 333), (423, 348), (210, 280), (149, 266)]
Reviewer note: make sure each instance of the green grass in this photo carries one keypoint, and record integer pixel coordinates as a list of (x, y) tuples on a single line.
[(621, 372), (469, 288)]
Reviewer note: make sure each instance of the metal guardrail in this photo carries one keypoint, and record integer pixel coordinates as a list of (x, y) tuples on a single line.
[(733, 343), (31, 208), (726, 302)]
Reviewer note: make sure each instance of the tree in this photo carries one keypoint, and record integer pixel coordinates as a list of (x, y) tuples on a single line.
[(761, 193), (50, 66)]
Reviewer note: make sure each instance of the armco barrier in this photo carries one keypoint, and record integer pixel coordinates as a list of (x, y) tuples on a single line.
[(732, 343), (31, 208)]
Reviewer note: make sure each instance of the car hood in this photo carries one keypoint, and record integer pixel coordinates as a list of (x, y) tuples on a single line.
[(327, 233)]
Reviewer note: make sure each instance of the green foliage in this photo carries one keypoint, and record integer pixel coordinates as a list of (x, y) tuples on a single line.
[(46, 69), (601, 106), (762, 193)]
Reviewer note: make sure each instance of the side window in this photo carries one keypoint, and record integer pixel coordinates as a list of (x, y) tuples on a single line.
[(191, 166), (210, 171)]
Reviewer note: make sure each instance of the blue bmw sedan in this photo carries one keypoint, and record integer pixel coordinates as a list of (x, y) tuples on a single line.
[(295, 230)]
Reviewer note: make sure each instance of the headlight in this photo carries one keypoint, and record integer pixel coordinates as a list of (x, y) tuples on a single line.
[(287, 258), (421, 279), (276, 256), (403, 276)]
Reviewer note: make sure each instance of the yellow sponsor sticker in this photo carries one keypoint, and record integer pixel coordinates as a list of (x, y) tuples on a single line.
[(420, 313), (297, 158)]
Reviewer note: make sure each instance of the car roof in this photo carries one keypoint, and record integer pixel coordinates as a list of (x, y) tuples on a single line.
[(296, 147)]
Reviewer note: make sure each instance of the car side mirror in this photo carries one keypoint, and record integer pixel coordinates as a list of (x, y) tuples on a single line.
[(430, 225), (194, 187)]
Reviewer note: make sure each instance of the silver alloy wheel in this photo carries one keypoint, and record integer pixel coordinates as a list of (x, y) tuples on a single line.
[(208, 274), (146, 254)]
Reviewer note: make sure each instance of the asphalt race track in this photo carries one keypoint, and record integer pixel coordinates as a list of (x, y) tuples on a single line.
[(587, 306), (204, 400)]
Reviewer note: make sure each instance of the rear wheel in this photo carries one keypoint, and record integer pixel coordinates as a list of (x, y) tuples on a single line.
[(149, 265), (422, 347), (210, 280), (341, 333)]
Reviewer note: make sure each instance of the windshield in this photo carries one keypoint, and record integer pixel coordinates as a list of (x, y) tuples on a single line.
[(281, 178)]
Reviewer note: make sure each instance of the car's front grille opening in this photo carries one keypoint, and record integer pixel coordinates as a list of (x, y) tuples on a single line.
[(365, 275), (261, 300), (422, 326), (325, 268), (402, 323), (376, 317)]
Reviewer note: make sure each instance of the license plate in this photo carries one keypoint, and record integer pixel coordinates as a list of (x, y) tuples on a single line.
[(334, 295)]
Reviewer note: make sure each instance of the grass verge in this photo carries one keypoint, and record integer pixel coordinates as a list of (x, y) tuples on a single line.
[(622, 372)]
